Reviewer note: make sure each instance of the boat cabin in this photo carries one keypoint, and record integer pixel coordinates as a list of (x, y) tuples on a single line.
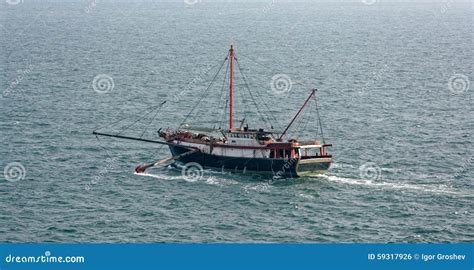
[(248, 137)]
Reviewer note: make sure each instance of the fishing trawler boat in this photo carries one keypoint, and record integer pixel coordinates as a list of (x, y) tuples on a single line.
[(241, 148)]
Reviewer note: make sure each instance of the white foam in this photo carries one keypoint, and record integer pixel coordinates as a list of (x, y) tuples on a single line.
[(161, 176), (260, 187), (211, 180), (341, 165), (442, 189), (306, 196), (265, 187)]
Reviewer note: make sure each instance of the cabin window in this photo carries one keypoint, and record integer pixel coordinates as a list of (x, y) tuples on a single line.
[(281, 153)]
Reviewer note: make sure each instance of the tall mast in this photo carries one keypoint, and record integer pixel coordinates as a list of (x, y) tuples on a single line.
[(231, 54)]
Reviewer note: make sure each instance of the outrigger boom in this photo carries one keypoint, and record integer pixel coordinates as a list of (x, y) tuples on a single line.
[(129, 138)]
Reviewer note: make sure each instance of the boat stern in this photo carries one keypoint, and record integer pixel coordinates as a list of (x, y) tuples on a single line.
[(313, 166), (314, 159)]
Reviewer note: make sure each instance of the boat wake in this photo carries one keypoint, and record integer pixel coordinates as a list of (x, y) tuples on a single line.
[(208, 177), (160, 176), (436, 189), (218, 178)]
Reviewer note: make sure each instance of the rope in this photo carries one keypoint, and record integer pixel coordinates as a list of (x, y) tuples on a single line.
[(205, 92), (100, 144), (138, 120), (251, 95), (146, 109), (319, 119), (242, 97), (271, 116), (307, 120), (223, 119), (149, 124), (224, 105), (161, 147)]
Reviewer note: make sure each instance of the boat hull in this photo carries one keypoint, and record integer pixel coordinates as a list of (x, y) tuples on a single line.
[(275, 167)]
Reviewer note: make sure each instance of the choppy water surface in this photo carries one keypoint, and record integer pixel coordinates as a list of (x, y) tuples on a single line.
[(395, 98)]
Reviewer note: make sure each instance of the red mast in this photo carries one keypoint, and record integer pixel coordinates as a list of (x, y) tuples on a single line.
[(231, 53)]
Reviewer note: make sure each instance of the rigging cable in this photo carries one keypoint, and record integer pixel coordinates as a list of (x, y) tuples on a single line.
[(308, 119), (298, 122), (149, 124), (224, 118), (138, 120), (260, 97), (251, 95), (207, 89), (205, 73), (242, 97), (153, 107), (319, 119), (224, 105)]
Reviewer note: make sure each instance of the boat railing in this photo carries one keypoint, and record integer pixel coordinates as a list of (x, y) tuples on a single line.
[(316, 156), (303, 143)]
